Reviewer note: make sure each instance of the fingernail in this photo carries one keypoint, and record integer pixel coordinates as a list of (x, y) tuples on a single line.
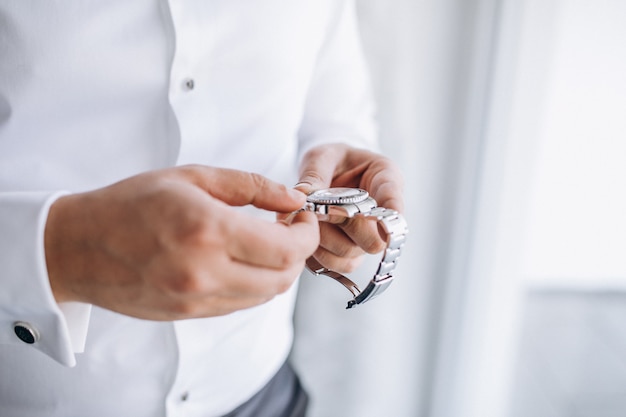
[(306, 186), (297, 194)]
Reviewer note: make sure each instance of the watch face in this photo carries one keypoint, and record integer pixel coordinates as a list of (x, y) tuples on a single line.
[(338, 195)]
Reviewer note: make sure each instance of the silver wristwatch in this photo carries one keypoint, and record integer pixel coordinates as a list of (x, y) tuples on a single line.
[(354, 202)]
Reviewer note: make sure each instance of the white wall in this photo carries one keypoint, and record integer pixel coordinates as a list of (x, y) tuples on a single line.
[(549, 195), (577, 216)]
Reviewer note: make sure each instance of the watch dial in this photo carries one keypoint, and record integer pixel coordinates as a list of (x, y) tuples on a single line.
[(339, 195)]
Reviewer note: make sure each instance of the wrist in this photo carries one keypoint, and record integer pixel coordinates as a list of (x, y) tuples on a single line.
[(59, 241)]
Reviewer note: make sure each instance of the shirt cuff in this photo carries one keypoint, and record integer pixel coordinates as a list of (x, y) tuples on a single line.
[(29, 315), (77, 317)]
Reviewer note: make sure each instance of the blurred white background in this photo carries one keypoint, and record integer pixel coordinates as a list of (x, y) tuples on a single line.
[(508, 119)]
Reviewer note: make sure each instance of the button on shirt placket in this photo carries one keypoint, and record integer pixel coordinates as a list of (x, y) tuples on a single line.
[(189, 84), (187, 76), (182, 98)]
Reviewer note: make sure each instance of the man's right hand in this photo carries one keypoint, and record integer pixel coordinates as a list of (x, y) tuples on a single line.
[(167, 244)]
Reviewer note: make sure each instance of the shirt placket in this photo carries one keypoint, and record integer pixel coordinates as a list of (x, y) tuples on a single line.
[(188, 91), (185, 104)]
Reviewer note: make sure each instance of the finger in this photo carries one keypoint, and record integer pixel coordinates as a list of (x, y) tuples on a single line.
[(252, 281), (239, 188), (336, 241), (384, 181), (389, 194), (220, 306), (360, 232), (168, 309), (318, 168), (273, 245), (365, 234), (246, 287), (200, 276), (337, 263)]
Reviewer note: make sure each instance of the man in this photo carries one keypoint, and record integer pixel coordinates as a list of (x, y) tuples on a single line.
[(144, 148)]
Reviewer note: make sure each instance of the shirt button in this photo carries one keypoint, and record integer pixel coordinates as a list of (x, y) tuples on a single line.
[(25, 332), (184, 396), (189, 84)]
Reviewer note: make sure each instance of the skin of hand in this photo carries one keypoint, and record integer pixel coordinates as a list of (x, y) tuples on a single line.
[(344, 243), (168, 244)]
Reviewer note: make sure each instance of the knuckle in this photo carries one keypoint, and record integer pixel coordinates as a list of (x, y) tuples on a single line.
[(348, 251), (315, 153), (351, 264), (374, 245), (258, 180), (367, 236), (284, 283), (188, 170), (184, 309), (187, 282), (189, 167), (196, 231), (324, 150), (288, 258), (337, 263), (200, 234), (311, 177)]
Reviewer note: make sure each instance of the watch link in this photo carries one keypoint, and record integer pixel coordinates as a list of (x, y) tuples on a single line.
[(334, 203)]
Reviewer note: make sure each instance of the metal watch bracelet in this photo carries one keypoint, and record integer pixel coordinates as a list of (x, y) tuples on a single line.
[(395, 226)]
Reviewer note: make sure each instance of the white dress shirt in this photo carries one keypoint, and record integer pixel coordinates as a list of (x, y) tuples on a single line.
[(93, 92)]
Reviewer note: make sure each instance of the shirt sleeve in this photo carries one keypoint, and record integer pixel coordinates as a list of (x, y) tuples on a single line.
[(340, 104), (29, 314)]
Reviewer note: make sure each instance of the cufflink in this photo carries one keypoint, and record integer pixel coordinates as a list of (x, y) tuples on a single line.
[(25, 332)]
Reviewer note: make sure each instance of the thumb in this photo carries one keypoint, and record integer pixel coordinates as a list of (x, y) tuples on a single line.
[(238, 188), (316, 171)]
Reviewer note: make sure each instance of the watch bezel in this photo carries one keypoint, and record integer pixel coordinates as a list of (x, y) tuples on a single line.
[(338, 196)]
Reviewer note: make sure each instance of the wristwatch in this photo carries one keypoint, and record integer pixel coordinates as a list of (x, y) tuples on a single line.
[(331, 203)]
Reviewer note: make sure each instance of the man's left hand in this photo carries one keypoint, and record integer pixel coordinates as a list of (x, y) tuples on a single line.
[(343, 245)]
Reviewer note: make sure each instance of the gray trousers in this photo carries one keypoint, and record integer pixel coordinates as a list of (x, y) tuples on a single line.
[(283, 396)]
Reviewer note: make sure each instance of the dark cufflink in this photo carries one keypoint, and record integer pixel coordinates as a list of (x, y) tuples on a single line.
[(25, 332)]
